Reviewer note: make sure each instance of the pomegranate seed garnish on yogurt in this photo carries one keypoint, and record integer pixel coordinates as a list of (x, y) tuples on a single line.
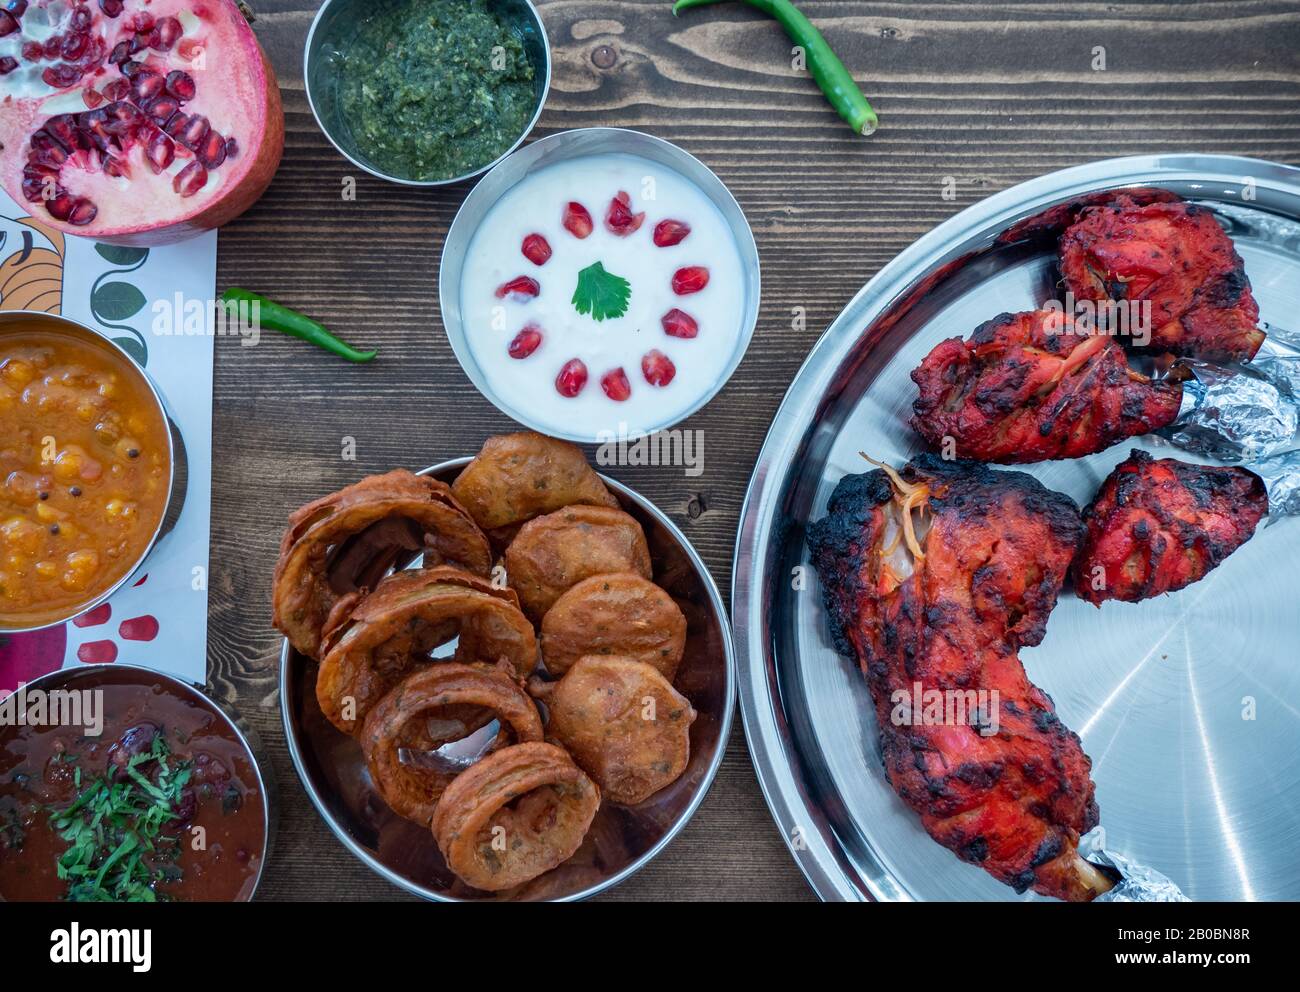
[(525, 342), (671, 232), (577, 221), (615, 384), (690, 279), (621, 353), (679, 324), (572, 377), (536, 249), (619, 219), (657, 368), (519, 288)]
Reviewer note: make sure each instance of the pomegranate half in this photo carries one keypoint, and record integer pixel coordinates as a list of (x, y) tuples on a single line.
[(135, 122)]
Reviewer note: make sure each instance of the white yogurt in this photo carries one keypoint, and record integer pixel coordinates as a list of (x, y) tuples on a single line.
[(536, 205)]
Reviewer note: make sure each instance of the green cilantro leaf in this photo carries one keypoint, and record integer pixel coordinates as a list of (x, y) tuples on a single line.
[(601, 294)]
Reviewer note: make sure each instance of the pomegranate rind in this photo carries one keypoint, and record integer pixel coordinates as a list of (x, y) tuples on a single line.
[(239, 80)]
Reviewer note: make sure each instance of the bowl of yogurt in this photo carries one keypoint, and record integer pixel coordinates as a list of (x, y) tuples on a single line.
[(599, 283)]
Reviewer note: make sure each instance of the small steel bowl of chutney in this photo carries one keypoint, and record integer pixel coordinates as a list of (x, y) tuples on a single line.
[(426, 92)]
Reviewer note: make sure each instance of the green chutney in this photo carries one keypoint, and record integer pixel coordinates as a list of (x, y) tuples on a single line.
[(433, 89)]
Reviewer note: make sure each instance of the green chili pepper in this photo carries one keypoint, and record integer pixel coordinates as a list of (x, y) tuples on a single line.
[(826, 68), (276, 317)]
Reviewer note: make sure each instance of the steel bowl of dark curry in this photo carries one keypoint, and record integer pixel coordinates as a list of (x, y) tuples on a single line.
[(120, 784)]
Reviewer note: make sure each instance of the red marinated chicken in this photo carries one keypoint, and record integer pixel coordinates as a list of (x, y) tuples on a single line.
[(1028, 387), (938, 576), (1157, 526), (1177, 257)]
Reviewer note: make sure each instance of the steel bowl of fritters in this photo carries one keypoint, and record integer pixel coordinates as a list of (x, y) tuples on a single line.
[(621, 838)]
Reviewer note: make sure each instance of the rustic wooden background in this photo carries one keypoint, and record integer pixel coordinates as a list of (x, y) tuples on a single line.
[(975, 96)]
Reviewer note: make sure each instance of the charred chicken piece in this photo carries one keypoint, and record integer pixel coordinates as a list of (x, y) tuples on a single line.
[(1159, 525), (937, 576), (1033, 386), (1177, 257)]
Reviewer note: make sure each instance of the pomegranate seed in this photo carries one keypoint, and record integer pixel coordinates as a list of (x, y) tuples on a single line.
[(60, 206), (80, 18), (117, 89), (122, 118), (690, 279), (73, 45), (111, 7), (576, 219), (525, 342), (176, 124), (52, 45), (195, 133), (131, 68), (657, 368), (615, 384), (213, 152), (61, 76), (8, 24), (7, 65), (180, 84), (120, 54), (161, 109), (64, 128), (117, 167), (91, 97), (671, 232), (83, 212), (160, 153), (572, 377), (520, 288), (48, 150), (232, 148), (34, 186), (169, 30), (142, 22), (536, 249), (146, 85), (33, 51), (679, 324), (189, 49), (619, 219), (190, 179)]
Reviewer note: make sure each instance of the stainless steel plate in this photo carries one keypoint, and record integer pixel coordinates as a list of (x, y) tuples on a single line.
[(621, 838), (1189, 705)]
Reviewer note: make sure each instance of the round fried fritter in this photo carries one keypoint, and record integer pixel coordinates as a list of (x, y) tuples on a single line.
[(516, 477), (554, 552), (392, 630), (347, 541), (436, 705), (623, 722), (620, 614), (514, 815)]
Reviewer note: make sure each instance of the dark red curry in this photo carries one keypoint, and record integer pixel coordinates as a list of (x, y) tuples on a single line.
[(164, 804)]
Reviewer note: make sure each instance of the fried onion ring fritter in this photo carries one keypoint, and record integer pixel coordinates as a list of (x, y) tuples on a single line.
[(623, 722), (520, 476), (432, 707), (620, 614), (514, 815), (393, 629), (554, 552), (349, 539)]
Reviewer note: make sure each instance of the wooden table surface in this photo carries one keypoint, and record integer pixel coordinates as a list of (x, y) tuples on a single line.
[(973, 98)]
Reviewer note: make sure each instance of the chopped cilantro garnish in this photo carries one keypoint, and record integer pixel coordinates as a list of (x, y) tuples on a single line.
[(117, 850), (601, 294)]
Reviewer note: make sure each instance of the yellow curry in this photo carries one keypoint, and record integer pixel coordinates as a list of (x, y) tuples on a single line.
[(84, 472)]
